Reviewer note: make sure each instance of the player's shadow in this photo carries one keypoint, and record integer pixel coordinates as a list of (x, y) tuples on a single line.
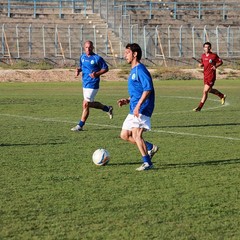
[(203, 125), (159, 166), (124, 164), (27, 144), (198, 164)]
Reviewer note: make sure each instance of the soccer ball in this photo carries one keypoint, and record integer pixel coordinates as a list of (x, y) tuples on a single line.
[(101, 157)]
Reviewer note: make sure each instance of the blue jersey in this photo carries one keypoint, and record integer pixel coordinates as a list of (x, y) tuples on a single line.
[(90, 64), (140, 80)]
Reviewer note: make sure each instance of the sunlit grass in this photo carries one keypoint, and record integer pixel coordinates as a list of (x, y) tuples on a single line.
[(50, 189)]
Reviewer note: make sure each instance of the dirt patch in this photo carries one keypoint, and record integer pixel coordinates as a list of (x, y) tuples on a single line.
[(67, 75)]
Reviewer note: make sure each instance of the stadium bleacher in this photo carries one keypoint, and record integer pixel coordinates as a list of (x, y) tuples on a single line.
[(29, 27)]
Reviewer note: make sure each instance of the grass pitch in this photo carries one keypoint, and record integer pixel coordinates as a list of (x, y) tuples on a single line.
[(50, 189)]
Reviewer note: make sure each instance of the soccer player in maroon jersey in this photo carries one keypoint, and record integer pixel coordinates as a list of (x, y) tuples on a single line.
[(210, 62)]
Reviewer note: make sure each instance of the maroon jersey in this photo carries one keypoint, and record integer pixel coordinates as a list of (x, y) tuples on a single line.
[(208, 62)]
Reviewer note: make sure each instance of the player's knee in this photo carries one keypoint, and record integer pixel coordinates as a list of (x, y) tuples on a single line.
[(124, 136), (85, 104)]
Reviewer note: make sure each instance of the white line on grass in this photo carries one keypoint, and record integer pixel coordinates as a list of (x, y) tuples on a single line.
[(113, 126), (187, 111)]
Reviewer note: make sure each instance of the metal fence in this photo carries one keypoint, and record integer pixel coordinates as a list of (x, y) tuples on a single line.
[(179, 43), (65, 43)]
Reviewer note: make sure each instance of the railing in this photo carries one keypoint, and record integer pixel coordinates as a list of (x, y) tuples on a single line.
[(180, 42), (34, 42), (38, 6), (115, 11)]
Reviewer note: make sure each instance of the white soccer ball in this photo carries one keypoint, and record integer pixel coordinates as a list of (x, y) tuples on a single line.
[(101, 157)]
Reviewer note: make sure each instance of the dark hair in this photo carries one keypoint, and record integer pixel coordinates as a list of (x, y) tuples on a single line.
[(134, 47), (207, 43)]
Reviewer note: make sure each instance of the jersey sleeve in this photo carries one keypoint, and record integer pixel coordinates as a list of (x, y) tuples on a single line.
[(145, 79), (102, 64)]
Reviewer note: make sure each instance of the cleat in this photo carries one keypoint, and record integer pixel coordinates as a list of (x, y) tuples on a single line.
[(223, 99), (198, 109), (110, 112), (77, 128), (152, 151), (145, 166)]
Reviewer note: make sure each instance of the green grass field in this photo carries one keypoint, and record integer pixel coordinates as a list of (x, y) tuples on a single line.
[(50, 189)]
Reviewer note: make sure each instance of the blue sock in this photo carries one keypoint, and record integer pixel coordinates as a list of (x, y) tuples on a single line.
[(81, 123), (147, 159), (105, 108), (149, 145)]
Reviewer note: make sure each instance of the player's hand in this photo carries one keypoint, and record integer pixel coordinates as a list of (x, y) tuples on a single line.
[(77, 72), (122, 102), (214, 68), (93, 74), (136, 111)]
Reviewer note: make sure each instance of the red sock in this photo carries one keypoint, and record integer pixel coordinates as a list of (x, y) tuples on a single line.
[(200, 104), (220, 95)]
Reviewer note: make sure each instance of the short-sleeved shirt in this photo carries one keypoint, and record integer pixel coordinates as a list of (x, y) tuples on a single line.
[(208, 62), (90, 64), (140, 80)]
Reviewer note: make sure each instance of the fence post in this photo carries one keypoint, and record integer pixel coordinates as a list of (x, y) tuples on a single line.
[(150, 9), (60, 8), (180, 41), (120, 36), (95, 39), (175, 10), (199, 11), (3, 52), (107, 11), (81, 39), (106, 41), (34, 8), (30, 40), (56, 41), (155, 40), (217, 40), (144, 41), (228, 40), (44, 46), (69, 41), (224, 11), (169, 42), (73, 6), (9, 8), (193, 41), (18, 55)]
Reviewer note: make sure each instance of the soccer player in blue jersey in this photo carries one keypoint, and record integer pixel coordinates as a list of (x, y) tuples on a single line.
[(141, 99), (92, 67)]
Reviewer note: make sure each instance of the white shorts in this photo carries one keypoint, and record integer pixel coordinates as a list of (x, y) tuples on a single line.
[(89, 94), (137, 122)]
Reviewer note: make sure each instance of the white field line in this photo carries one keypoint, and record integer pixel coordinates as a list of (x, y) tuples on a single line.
[(118, 127), (195, 98)]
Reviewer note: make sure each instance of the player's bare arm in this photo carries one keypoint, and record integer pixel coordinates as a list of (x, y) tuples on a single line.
[(140, 102), (77, 72), (99, 73)]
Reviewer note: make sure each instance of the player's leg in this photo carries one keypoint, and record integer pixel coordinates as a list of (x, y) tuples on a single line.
[(126, 135), (88, 95), (137, 136), (206, 90), (219, 94), (105, 108)]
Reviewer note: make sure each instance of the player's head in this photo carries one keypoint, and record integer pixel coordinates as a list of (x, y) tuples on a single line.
[(207, 47), (88, 47), (133, 51)]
